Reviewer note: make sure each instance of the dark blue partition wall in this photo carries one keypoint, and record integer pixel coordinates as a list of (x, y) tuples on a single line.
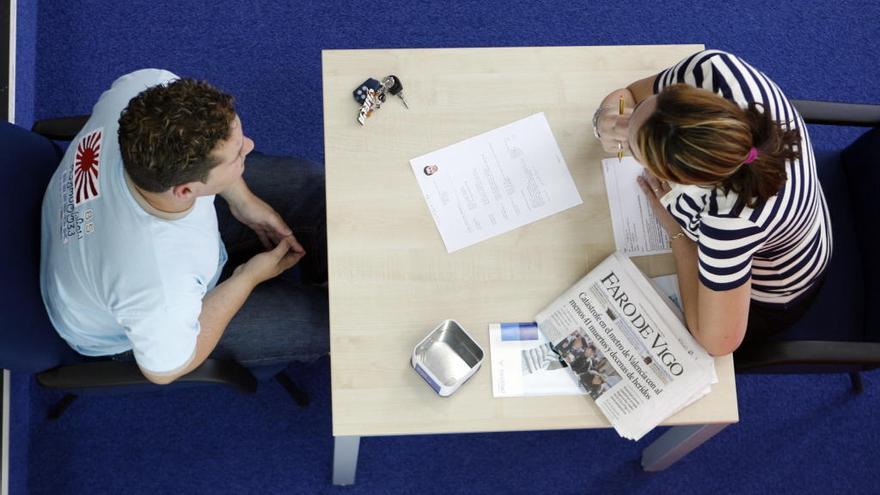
[(5, 38), (17, 386), (25, 61), (19, 429)]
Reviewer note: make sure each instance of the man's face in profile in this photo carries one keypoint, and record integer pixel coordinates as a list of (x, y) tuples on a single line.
[(230, 154)]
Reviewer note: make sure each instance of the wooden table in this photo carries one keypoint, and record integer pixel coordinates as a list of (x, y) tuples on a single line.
[(391, 280)]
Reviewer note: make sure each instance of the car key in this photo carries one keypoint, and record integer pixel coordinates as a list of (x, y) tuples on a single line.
[(393, 85)]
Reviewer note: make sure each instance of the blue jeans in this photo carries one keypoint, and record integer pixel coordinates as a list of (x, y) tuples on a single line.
[(285, 319)]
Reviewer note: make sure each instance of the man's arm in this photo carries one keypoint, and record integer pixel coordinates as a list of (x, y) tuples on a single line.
[(252, 211), (221, 304), (238, 193), (218, 308)]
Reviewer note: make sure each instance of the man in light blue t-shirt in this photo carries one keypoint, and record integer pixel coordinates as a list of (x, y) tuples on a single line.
[(133, 251)]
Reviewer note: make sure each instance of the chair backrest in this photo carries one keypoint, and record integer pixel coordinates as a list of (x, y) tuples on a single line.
[(837, 313), (28, 343), (861, 161)]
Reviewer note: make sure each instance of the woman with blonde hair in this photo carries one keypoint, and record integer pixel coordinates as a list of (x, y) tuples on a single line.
[(731, 175)]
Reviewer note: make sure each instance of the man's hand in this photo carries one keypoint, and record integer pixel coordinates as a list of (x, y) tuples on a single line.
[(270, 264), (262, 219), (252, 211)]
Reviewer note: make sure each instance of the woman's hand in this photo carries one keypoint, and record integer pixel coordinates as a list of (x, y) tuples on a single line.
[(612, 127), (614, 130), (655, 189)]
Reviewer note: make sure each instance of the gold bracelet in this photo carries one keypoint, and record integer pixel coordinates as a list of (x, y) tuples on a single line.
[(677, 235)]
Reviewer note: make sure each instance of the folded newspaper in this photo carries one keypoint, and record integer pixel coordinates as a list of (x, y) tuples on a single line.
[(628, 347), (524, 363)]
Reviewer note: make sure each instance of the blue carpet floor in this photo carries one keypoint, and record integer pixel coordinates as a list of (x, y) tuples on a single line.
[(797, 434)]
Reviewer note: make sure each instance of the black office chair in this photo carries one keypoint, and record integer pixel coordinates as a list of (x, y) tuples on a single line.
[(28, 343), (840, 333)]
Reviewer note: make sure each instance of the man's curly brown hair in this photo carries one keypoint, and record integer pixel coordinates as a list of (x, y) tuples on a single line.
[(167, 133)]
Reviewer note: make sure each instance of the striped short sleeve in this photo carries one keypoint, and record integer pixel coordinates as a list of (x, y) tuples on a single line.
[(727, 245), (695, 70)]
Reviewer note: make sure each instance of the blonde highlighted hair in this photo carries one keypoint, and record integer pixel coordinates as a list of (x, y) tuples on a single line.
[(697, 137)]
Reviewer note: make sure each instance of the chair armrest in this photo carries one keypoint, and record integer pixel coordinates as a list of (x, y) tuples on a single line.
[(806, 352), (104, 374), (832, 113), (61, 129)]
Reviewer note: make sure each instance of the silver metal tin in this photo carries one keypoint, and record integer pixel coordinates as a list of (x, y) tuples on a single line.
[(447, 357)]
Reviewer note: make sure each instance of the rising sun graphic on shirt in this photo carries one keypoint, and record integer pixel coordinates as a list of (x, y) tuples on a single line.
[(86, 167)]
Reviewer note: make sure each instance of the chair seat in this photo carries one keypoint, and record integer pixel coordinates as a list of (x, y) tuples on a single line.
[(104, 376)]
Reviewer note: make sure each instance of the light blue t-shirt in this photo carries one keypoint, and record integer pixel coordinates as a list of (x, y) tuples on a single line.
[(115, 277)]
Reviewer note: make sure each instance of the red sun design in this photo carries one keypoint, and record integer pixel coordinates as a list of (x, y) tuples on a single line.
[(86, 168)]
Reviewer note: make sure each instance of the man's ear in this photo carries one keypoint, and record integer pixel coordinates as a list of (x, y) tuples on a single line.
[(186, 191)]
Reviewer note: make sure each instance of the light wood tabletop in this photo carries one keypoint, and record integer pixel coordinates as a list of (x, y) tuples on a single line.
[(391, 279)]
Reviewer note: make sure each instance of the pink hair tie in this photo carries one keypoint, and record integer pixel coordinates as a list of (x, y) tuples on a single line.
[(753, 153)]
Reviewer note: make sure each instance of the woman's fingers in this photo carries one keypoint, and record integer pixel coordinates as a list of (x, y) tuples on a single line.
[(611, 146), (614, 130), (653, 187), (646, 187), (652, 182)]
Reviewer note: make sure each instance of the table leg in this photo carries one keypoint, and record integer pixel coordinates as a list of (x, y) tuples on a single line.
[(675, 444), (345, 459)]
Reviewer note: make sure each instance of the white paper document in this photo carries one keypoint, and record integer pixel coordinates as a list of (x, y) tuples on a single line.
[(637, 231), (493, 183)]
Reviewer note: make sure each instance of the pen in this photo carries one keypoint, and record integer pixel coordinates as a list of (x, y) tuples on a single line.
[(619, 145)]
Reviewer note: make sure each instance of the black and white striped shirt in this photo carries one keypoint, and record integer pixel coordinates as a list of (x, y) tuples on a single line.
[(784, 243)]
